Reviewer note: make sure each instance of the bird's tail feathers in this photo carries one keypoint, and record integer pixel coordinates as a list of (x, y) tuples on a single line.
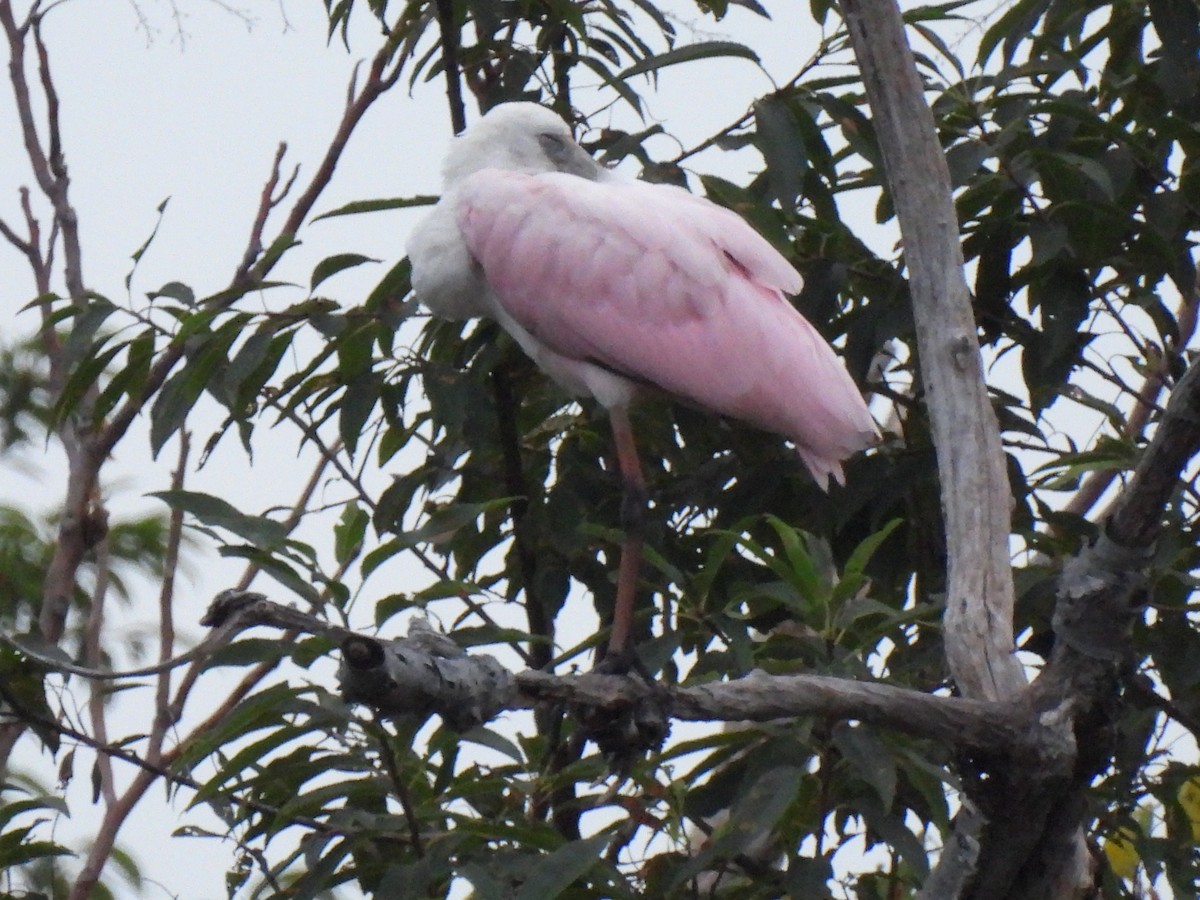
[(822, 467)]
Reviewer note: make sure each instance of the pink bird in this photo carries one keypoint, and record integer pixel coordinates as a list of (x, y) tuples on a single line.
[(615, 286)]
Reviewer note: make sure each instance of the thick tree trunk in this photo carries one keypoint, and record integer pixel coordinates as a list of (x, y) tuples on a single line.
[(1020, 835)]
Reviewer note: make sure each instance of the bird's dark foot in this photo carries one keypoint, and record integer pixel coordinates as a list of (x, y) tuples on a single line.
[(623, 662), (626, 734)]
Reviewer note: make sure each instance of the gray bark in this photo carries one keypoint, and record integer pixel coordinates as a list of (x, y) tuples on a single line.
[(426, 673), (1021, 835), (975, 494)]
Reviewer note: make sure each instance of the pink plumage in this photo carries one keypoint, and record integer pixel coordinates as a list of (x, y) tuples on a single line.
[(667, 289)]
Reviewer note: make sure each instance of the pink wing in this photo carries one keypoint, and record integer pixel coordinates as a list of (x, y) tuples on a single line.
[(664, 287)]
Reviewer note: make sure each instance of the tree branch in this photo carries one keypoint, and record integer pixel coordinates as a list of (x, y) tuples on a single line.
[(1031, 845), (427, 673), (975, 492), (1137, 516), (94, 653), (1145, 403), (166, 609), (451, 36)]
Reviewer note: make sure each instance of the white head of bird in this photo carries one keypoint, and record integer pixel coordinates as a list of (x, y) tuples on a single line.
[(518, 137)]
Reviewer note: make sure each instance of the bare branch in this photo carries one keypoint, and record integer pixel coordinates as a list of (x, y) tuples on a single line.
[(975, 493), (166, 609), (426, 673), (266, 202), (21, 94), (450, 37), (1145, 403), (25, 247), (94, 653), (377, 83), (1138, 513), (64, 213)]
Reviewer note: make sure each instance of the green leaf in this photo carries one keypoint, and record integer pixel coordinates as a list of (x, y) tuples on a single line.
[(171, 408), (366, 206), (690, 53), (10, 809), (553, 874), (88, 320), (617, 83), (718, 553), (331, 265), (359, 399), (272, 255), (870, 759), (758, 810), (394, 286), (141, 251), (1013, 27), (249, 757), (485, 737), (24, 690), (15, 850), (130, 377), (181, 391), (857, 562), (802, 569), (256, 712), (247, 359), (275, 567), (83, 378), (349, 531), (175, 290), (444, 522), (258, 530), (782, 146), (753, 816), (248, 652)]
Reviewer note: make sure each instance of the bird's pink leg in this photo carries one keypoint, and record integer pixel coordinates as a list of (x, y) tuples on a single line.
[(633, 512)]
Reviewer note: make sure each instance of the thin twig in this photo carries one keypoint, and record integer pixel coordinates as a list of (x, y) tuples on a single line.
[(93, 653), (125, 755), (826, 47), (166, 608), (266, 202), (388, 757), (540, 625), (1145, 404), (451, 68), (331, 453)]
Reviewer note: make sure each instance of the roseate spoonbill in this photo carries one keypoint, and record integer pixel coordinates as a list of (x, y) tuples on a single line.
[(614, 286)]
